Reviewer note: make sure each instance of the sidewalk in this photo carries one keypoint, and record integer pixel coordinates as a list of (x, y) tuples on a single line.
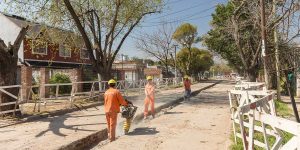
[(74, 130)]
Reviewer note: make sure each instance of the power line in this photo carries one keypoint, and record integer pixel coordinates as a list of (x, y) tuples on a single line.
[(181, 20), (188, 16), (182, 10)]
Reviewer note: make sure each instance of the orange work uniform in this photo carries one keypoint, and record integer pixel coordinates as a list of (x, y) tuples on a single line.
[(112, 101), (187, 84), (149, 99)]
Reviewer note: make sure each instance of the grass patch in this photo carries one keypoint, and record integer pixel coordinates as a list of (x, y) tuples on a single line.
[(282, 109)]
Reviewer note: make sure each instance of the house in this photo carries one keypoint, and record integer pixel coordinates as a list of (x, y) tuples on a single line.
[(42, 52), (153, 71), (128, 70)]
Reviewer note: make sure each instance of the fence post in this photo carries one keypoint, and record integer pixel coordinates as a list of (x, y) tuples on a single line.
[(57, 90)]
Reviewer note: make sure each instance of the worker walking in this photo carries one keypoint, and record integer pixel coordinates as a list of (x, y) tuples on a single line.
[(149, 99), (187, 87), (112, 101)]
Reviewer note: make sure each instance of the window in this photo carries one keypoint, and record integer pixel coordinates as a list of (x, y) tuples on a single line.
[(84, 54), (39, 47), (64, 50)]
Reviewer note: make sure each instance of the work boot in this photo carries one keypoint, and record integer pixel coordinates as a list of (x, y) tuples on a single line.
[(153, 116)]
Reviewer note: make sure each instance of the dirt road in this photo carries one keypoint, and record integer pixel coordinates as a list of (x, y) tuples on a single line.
[(201, 123)]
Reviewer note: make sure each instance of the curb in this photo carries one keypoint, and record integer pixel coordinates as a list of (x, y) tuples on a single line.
[(101, 135)]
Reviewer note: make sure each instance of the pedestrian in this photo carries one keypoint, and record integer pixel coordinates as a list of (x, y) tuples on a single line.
[(112, 101), (187, 87), (149, 99)]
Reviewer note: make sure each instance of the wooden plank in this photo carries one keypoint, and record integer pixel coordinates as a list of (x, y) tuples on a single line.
[(258, 128), (8, 111), (243, 132), (258, 143), (8, 103), (280, 123), (291, 144), (251, 130), (10, 86), (9, 94)]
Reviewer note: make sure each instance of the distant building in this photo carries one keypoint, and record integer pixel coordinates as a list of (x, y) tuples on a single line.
[(128, 70), (153, 71)]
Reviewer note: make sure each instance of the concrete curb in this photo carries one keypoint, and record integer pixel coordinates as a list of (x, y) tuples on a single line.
[(101, 135)]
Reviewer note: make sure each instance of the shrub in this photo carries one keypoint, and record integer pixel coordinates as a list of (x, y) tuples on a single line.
[(61, 78)]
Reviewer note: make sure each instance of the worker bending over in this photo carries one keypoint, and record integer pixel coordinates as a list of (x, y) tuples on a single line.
[(187, 87), (112, 101), (149, 99)]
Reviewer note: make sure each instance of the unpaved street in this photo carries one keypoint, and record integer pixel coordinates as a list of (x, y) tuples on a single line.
[(202, 123)]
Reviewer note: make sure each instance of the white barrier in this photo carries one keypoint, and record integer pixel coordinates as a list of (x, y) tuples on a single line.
[(250, 108)]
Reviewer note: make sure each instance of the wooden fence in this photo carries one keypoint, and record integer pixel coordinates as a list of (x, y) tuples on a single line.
[(33, 93), (253, 112)]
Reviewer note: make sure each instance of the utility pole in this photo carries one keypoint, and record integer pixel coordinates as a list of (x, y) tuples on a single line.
[(263, 39), (123, 73), (175, 46), (277, 63)]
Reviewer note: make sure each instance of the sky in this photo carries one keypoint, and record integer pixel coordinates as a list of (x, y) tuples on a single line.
[(196, 12)]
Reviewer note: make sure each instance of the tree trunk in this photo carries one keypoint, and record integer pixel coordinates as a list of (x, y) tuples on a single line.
[(252, 75), (8, 71), (8, 77)]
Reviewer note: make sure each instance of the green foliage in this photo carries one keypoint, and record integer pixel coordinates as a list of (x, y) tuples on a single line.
[(185, 34), (201, 60), (282, 109), (221, 68), (61, 78), (220, 41)]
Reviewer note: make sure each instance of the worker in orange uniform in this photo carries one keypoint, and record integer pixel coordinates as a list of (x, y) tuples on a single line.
[(112, 101), (187, 87), (149, 99)]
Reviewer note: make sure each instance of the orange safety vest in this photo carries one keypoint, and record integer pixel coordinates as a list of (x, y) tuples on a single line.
[(149, 90), (112, 100), (187, 84)]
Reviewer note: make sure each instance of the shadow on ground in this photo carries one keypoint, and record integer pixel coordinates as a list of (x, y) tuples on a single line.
[(57, 123), (143, 131)]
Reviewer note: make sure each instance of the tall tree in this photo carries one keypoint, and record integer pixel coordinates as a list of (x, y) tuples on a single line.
[(186, 35), (8, 65), (158, 44), (103, 25), (201, 61), (235, 33)]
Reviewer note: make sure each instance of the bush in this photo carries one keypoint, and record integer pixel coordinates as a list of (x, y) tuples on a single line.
[(61, 78)]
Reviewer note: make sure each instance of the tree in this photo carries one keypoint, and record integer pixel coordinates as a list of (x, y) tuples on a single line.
[(143, 61), (8, 65), (103, 25), (159, 45), (201, 61), (185, 35), (235, 33)]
